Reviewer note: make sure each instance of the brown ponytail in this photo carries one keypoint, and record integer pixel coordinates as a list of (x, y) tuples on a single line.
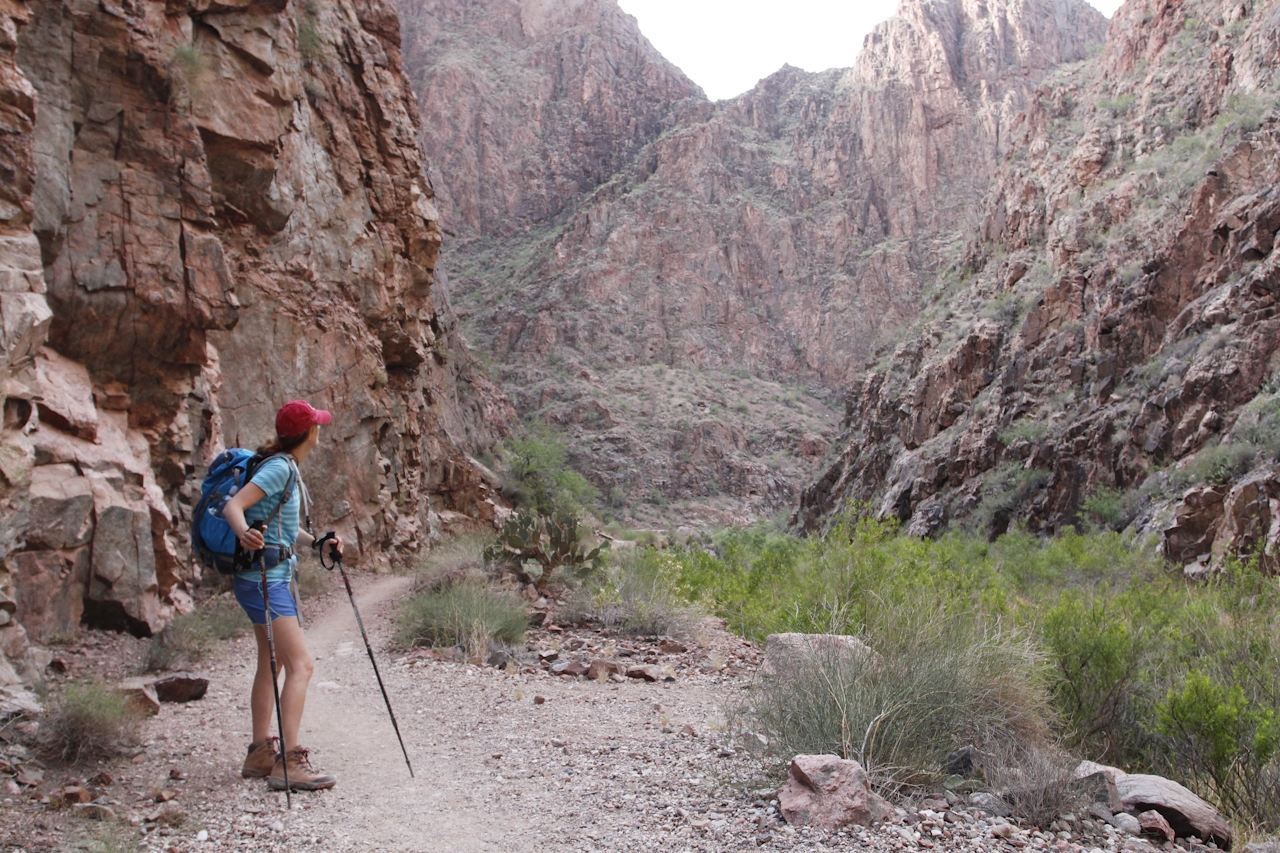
[(283, 444)]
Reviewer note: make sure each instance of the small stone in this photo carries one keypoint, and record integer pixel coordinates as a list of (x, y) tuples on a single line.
[(646, 673), (102, 780), (277, 825), (1154, 823), (539, 700), (72, 794), (671, 647), (202, 835), (1126, 822), (95, 811), (601, 669), (139, 758), (165, 795), (1003, 830), (181, 687), (688, 731)]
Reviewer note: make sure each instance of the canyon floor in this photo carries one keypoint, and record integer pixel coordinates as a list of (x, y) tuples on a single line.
[(506, 760)]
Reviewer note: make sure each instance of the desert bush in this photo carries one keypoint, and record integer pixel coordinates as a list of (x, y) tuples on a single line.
[(470, 614), (1024, 430), (192, 636), (934, 681), (539, 476), (1216, 463), (635, 594), (87, 722), (1003, 490)]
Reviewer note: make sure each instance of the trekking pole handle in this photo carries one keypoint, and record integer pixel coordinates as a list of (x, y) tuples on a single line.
[(318, 544)]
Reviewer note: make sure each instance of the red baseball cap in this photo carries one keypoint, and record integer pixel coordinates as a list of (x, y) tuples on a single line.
[(298, 416)]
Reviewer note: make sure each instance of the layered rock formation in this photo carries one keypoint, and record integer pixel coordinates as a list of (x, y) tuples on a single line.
[(770, 237), (214, 207), (1110, 336)]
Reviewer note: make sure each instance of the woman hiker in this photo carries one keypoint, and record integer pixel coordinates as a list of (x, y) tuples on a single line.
[(274, 495)]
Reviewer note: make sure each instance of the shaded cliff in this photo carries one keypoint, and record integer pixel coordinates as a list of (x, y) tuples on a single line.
[(1104, 349), (754, 247), (217, 206)]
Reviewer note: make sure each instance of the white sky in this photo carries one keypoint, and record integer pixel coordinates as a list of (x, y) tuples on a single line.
[(726, 46)]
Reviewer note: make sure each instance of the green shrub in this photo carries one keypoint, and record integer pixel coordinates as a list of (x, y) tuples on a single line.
[(934, 681), (636, 595), (1105, 508), (1024, 430), (88, 722), (192, 636), (534, 546), (1216, 463), (468, 614), (539, 476)]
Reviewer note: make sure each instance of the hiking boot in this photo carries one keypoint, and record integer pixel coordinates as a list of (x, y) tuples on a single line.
[(260, 760), (302, 776)]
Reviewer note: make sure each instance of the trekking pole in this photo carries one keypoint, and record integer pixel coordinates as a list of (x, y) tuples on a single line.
[(271, 648), (337, 561)]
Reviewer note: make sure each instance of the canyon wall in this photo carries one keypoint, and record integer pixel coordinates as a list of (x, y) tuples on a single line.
[(215, 206), (1103, 351), (755, 247)]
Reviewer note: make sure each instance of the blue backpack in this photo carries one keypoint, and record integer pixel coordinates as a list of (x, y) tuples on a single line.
[(212, 539)]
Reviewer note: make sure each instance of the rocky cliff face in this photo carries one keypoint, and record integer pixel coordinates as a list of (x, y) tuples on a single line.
[(767, 239), (210, 208), (1105, 349), (529, 104)]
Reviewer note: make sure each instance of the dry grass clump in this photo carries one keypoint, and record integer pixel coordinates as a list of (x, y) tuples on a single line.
[(469, 613), (452, 560), (1037, 781), (936, 681), (88, 722), (192, 636)]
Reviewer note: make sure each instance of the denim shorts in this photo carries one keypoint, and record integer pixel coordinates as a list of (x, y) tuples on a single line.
[(249, 594)]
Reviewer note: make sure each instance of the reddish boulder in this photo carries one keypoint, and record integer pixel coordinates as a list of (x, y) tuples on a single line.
[(181, 687), (1195, 525), (829, 792)]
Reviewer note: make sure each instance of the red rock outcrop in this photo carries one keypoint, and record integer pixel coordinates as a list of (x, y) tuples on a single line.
[(529, 105), (773, 236), (226, 203), (1126, 250)]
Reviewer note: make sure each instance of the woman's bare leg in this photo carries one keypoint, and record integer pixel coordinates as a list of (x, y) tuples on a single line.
[(294, 658)]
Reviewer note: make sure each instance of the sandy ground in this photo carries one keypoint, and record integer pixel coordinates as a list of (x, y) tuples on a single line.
[(507, 760)]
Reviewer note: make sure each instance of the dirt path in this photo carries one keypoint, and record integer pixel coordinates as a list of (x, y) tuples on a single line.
[(591, 767)]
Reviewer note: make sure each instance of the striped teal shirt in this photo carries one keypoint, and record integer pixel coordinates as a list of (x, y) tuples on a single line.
[(271, 477)]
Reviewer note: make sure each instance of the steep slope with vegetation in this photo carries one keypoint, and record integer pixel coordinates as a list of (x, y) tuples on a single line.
[(685, 315), (1104, 350)]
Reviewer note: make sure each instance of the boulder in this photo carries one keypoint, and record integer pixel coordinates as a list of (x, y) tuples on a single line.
[(181, 687), (17, 702), (66, 395), (1195, 524), (784, 654), (61, 513), (49, 588), (829, 792), (141, 695), (1187, 814), (1251, 518)]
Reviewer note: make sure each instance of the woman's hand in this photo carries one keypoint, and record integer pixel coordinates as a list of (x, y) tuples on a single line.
[(233, 512), (252, 540), (334, 544)]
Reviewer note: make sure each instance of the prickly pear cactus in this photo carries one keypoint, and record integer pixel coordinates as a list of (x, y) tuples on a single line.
[(552, 541)]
